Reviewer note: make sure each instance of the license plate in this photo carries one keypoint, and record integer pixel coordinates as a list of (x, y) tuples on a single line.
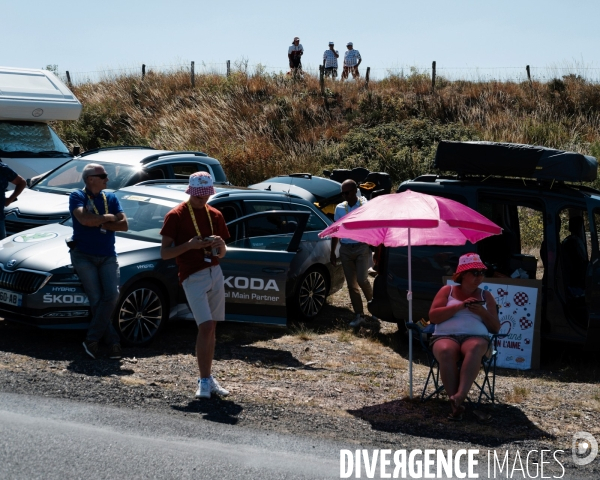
[(11, 298)]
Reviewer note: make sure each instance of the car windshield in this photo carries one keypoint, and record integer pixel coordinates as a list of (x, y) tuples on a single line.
[(67, 178), (145, 215), (30, 138)]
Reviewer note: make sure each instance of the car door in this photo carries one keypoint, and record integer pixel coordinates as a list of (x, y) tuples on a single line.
[(257, 265), (593, 280)]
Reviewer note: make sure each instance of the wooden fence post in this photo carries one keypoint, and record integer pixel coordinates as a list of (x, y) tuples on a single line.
[(433, 76), (322, 83), (68, 79), (322, 79), (528, 75), (192, 77), (228, 67), (143, 70), (367, 77)]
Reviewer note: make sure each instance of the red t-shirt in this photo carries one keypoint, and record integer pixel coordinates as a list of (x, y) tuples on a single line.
[(178, 225)]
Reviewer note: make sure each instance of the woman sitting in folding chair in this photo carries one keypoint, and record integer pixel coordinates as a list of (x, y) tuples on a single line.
[(463, 315)]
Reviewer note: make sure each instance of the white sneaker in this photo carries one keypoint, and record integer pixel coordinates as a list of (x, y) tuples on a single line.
[(358, 321), (216, 388), (204, 388)]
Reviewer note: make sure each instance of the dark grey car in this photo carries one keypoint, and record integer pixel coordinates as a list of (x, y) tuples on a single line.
[(275, 264)]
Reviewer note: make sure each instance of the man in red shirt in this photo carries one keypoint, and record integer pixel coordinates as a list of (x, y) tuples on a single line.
[(194, 233)]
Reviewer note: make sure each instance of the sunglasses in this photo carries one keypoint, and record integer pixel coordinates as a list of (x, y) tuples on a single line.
[(103, 176), (347, 192), (477, 273)]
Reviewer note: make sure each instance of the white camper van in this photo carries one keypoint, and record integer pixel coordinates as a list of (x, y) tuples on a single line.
[(29, 99)]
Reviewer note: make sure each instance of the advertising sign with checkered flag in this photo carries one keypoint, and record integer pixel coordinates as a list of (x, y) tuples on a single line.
[(517, 315)]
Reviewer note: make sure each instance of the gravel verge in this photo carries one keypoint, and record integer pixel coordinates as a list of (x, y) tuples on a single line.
[(318, 380)]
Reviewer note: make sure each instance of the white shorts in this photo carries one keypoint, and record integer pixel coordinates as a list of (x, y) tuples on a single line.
[(205, 292)]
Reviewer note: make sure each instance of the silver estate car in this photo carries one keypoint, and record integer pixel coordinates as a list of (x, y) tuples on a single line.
[(47, 198)]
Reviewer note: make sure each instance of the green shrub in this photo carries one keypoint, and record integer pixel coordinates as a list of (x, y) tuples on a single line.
[(532, 227), (404, 150)]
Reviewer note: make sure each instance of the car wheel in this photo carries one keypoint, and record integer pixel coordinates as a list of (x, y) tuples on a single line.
[(311, 294), (141, 314)]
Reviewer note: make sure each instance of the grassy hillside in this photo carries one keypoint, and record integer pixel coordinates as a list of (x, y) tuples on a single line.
[(260, 125)]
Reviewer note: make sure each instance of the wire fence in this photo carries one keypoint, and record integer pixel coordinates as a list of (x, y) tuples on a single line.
[(475, 74)]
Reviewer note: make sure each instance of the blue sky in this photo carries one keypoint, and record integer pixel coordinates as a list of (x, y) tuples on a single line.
[(467, 38)]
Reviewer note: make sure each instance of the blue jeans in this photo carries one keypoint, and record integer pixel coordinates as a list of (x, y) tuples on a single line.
[(99, 276)]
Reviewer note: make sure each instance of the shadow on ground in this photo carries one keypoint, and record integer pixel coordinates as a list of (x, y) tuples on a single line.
[(262, 357), (214, 409), (234, 340), (179, 337), (98, 368), (429, 419)]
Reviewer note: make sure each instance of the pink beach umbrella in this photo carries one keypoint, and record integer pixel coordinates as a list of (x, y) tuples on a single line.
[(412, 218)]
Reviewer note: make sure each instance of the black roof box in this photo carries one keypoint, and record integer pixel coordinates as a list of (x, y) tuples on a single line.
[(515, 160)]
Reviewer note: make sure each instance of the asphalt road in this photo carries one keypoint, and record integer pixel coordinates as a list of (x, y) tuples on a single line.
[(47, 438)]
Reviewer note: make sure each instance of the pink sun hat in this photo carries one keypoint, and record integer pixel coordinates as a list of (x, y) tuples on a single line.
[(201, 184), (470, 261)]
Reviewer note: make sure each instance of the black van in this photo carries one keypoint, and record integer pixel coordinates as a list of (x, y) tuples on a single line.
[(530, 192)]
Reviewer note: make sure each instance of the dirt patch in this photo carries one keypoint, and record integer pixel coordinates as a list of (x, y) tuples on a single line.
[(319, 379)]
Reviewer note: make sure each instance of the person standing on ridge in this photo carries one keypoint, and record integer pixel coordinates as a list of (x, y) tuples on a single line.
[(330, 62), (295, 52), (352, 60)]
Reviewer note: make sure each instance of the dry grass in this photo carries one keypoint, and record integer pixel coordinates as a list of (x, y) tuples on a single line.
[(345, 336), (303, 332), (518, 395), (369, 347), (132, 381), (261, 125)]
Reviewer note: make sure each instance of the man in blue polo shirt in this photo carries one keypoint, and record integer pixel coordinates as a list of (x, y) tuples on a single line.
[(97, 215)]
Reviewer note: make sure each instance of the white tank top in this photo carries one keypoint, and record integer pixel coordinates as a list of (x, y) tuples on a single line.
[(464, 322)]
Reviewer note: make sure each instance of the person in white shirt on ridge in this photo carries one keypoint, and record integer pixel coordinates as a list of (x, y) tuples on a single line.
[(295, 52), (352, 60), (330, 62)]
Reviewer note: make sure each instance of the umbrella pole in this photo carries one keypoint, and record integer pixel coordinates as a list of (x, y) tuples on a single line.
[(410, 342)]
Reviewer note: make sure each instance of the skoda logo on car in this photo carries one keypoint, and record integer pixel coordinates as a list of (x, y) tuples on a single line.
[(12, 263), (34, 237)]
